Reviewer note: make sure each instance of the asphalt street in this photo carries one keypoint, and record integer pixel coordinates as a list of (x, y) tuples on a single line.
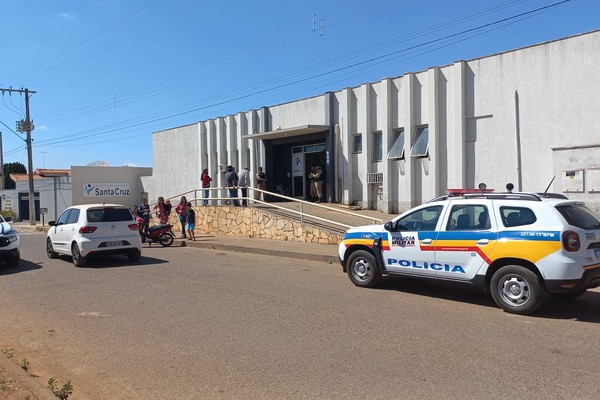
[(189, 323)]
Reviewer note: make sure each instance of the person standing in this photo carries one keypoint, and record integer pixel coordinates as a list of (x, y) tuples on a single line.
[(311, 177), (168, 208), (231, 181), (190, 219), (261, 180), (318, 182), (144, 211), (181, 210), (244, 182), (160, 210), (206, 180)]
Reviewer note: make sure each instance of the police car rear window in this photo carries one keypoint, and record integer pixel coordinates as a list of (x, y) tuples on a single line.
[(109, 215), (579, 215)]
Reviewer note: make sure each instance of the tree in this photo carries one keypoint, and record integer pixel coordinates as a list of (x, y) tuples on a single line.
[(12, 168)]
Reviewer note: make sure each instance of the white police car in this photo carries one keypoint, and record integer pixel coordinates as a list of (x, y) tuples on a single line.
[(518, 246), (9, 243)]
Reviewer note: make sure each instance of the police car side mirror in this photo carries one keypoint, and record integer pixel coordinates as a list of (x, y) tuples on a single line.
[(52, 223), (388, 226), (8, 219)]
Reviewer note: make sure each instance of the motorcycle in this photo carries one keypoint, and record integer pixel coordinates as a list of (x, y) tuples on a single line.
[(158, 234)]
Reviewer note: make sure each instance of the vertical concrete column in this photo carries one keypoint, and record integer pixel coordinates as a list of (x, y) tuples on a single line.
[(242, 145), (347, 136), (220, 134), (408, 89), (457, 133), (386, 137), (203, 151), (433, 76), (231, 132), (252, 143), (367, 140)]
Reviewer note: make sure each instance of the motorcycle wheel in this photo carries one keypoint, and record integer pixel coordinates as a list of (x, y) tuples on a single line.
[(166, 239)]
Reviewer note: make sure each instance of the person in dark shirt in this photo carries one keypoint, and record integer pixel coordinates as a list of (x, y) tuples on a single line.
[(190, 219)]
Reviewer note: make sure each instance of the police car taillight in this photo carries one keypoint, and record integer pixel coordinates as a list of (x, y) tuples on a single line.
[(133, 227), (571, 241)]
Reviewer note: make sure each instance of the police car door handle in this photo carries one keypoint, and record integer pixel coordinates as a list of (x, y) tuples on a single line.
[(426, 241), (482, 242)]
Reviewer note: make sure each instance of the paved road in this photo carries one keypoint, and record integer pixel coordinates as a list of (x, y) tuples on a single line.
[(199, 324)]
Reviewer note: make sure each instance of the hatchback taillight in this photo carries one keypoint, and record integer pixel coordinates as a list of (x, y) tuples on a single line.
[(133, 227), (571, 241), (87, 229)]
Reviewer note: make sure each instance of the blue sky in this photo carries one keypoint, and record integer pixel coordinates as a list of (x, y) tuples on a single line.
[(108, 73)]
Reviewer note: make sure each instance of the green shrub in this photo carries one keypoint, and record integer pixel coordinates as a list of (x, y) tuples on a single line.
[(9, 213)]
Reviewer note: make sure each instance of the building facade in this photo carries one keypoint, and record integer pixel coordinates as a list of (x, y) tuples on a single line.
[(528, 116)]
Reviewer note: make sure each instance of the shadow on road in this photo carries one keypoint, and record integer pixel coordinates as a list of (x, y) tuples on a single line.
[(584, 308), (116, 261), (24, 265)]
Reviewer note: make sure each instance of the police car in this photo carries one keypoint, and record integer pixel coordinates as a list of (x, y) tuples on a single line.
[(518, 246), (9, 243)]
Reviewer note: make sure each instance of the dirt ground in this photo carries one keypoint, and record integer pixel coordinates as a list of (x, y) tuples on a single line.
[(18, 384)]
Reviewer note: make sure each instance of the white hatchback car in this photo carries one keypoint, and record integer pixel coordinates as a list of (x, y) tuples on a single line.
[(94, 229)]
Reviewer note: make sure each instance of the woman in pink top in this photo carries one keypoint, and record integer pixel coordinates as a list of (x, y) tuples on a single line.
[(181, 210)]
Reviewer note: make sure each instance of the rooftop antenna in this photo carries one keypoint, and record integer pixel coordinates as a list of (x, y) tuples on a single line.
[(546, 191)]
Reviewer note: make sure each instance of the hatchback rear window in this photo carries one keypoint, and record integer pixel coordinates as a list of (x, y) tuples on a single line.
[(109, 215), (579, 215)]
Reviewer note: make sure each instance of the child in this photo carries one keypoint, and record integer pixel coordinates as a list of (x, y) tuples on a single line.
[(190, 218)]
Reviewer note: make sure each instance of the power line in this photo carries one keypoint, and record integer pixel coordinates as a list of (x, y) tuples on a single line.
[(345, 68)]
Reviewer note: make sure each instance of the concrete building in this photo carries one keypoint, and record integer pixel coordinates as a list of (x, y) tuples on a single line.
[(523, 116), (55, 190), (52, 194)]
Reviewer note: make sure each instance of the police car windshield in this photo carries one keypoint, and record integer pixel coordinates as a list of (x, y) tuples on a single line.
[(579, 215)]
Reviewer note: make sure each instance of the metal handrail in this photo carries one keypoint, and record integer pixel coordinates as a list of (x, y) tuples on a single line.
[(196, 200)]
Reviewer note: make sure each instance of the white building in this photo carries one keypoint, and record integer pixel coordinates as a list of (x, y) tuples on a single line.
[(55, 190), (523, 116)]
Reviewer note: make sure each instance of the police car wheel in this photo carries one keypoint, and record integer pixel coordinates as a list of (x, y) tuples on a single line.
[(517, 290), (363, 270)]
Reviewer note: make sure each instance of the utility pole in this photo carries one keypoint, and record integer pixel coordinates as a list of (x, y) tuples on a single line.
[(27, 126)]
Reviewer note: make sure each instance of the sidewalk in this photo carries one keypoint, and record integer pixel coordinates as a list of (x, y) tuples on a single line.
[(278, 248)]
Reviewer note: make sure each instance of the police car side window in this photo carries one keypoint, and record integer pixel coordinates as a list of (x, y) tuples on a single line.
[(469, 217), (517, 216), (424, 219)]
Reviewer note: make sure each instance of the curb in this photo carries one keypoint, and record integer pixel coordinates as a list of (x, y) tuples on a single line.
[(263, 251)]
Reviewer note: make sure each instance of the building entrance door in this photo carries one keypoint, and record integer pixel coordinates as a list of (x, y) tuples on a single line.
[(303, 157)]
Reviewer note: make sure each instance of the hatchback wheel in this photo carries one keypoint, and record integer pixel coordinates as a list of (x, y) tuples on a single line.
[(50, 250), (134, 255), (517, 289), (78, 259)]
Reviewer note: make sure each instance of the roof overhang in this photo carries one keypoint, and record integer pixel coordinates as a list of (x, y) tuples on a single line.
[(290, 132)]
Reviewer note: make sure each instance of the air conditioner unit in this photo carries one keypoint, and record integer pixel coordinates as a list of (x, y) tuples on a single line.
[(375, 177)]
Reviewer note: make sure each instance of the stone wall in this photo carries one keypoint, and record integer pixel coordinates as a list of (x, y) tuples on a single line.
[(252, 223)]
